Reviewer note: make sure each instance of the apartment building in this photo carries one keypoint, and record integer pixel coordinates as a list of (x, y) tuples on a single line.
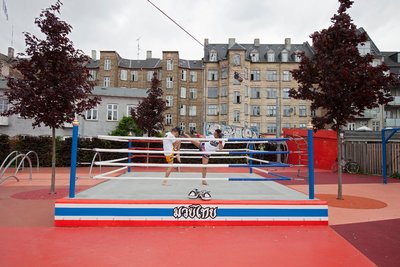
[(392, 109), (181, 81), (261, 99)]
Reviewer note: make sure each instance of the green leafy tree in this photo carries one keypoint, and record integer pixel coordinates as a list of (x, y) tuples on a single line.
[(54, 85), (149, 115), (338, 81), (125, 126)]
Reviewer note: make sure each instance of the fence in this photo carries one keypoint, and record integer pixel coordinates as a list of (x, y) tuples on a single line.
[(369, 156)]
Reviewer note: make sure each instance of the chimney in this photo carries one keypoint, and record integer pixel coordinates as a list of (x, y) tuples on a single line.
[(11, 52), (231, 42), (148, 54), (205, 41), (288, 44), (257, 42), (94, 54)]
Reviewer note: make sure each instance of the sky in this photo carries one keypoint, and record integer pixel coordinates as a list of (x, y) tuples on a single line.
[(125, 25)]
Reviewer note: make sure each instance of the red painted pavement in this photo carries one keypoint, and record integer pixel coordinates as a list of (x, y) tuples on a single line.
[(203, 246)]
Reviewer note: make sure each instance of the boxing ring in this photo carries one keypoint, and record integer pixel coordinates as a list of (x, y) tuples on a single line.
[(242, 193)]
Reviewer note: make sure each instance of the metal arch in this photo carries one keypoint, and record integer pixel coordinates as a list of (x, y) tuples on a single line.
[(11, 176), (37, 158), (24, 156), (4, 162)]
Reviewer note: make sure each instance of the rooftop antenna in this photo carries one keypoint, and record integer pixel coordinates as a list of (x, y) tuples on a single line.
[(138, 47)]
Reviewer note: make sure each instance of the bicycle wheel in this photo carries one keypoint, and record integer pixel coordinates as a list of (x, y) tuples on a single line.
[(334, 167), (352, 167)]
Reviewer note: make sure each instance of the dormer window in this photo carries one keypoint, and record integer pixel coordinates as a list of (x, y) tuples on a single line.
[(213, 55), (255, 56), (284, 55), (271, 56), (296, 55)]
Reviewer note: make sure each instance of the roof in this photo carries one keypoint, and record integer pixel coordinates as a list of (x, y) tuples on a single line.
[(374, 49), (263, 49), (391, 60)]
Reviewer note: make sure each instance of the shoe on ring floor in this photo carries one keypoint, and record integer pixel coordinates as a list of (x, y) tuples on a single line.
[(194, 194), (205, 195)]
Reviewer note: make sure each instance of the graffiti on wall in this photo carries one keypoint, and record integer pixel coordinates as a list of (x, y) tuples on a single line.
[(230, 131)]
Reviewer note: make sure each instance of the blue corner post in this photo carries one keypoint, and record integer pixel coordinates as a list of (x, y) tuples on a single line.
[(251, 147), (310, 161), (384, 160), (74, 152)]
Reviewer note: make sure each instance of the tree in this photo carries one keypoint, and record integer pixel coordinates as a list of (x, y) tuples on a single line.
[(54, 85), (126, 125), (339, 81), (149, 115)]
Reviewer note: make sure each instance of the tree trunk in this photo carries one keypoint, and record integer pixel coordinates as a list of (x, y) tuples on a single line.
[(339, 163), (53, 162)]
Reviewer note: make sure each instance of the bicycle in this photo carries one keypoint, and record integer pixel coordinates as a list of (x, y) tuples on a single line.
[(349, 166)]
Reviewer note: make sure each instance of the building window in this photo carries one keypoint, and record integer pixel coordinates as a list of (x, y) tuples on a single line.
[(224, 109), (255, 110), (170, 100), (272, 75), (285, 93), (213, 55), (236, 116), (193, 93), (236, 60), (255, 75), (107, 82), (182, 126), (286, 75), (287, 110), (255, 93), (170, 64), (193, 76), (150, 75), (212, 110), (255, 126), (3, 105), (351, 126), (224, 73), (271, 128), (246, 109), (92, 75), (91, 115), (271, 56), (182, 110), (183, 75), (224, 91), (376, 126), (246, 91), (297, 57), (129, 109), (183, 92), (107, 64), (168, 119), (124, 75), (271, 110), (192, 126), (254, 56), (112, 112), (286, 125), (134, 75), (302, 111), (212, 92), (271, 93), (213, 75), (302, 125), (192, 110), (236, 97), (170, 82)]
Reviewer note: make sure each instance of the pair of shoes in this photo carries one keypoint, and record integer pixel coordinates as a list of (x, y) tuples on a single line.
[(203, 194)]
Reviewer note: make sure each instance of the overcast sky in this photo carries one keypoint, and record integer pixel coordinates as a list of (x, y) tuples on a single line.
[(118, 24)]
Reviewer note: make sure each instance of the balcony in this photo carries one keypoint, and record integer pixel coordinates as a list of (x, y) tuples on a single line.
[(392, 122), (395, 102), (3, 121), (368, 114)]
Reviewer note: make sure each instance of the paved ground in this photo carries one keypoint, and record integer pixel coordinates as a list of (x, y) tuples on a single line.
[(356, 237)]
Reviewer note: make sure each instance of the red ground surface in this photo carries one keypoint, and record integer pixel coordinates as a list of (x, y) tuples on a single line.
[(28, 237)]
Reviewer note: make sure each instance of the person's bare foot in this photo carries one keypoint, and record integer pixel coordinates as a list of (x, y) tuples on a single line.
[(178, 158), (204, 182)]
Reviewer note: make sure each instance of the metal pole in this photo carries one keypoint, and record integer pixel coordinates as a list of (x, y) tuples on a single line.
[(129, 154), (384, 159), (310, 161), (74, 152)]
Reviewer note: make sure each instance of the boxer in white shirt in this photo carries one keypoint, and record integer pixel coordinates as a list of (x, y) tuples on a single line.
[(169, 146)]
